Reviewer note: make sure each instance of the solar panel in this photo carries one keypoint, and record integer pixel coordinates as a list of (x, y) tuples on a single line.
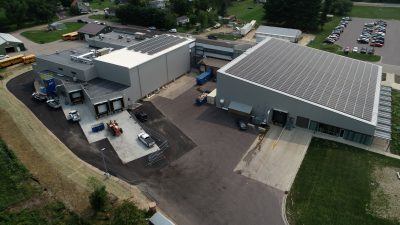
[(330, 80), (156, 44)]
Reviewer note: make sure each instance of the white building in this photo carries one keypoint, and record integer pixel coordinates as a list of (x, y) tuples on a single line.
[(292, 35)]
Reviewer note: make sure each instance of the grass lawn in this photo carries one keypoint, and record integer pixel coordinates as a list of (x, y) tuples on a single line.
[(184, 29), (395, 143), (44, 36), (386, 13), (2, 13), (102, 17), (247, 10), (223, 36), (336, 185), (100, 4), (320, 36)]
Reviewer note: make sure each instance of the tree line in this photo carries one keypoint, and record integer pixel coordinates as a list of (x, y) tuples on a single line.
[(20, 12), (204, 12), (306, 15)]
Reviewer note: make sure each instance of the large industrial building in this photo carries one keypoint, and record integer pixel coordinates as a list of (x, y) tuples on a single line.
[(9, 43), (284, 83), (110, 81), (292, 35)]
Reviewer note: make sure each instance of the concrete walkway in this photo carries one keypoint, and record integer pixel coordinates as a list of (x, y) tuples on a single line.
[(390, 81), (277, 161), (377, 4)]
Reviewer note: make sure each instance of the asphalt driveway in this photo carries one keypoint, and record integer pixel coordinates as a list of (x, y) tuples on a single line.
[(390, 52), (196, 183)]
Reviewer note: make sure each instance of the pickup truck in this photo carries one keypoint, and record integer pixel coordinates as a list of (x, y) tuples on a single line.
[(146, 139)]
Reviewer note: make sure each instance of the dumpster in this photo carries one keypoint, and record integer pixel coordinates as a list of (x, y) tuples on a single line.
[(98, 127), (204, 77)]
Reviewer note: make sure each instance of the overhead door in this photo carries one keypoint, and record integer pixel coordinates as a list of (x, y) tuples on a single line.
[(76, 96), (101, 108), (117, 104), (302, 122), (279, 117)]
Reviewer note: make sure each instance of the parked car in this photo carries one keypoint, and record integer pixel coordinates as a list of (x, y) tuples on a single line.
[(80, 21), (362, 41), (73, 116), (152, 28), (376, 44), (212, 37), (329, 41), (371, 51), (172, 30), (4, 57), (54, 103), (146, 139), (39, 96), (355, 49), (141, 116), (241, 125), (363, 50), (346, 50)]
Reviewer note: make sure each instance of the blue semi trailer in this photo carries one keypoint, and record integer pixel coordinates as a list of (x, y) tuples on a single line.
[(204, 77)]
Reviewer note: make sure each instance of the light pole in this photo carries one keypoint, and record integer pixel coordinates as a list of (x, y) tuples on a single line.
[(104, 162)]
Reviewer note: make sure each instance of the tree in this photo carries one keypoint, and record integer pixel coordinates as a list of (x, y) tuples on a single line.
[(127, 213), (341, 7), (16, 11), (180, 7), (98, 198), (301, 14), (66, 3)]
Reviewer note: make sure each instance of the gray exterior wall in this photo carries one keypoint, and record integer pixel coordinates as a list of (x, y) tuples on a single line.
[(17, 47), (153, 74), (113, 72), (178, 62), (261, 99), (260, 37), (82, 74)]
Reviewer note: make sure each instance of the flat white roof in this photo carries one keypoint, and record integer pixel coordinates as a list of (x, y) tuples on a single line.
[(285, 32), (8, 38), (144, 51), (347, 86)]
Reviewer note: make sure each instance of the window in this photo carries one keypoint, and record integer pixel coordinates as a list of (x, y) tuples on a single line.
[(59, 68), (73, 72)]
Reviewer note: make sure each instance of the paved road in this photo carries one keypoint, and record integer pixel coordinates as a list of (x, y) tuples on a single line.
[(198, 185), (377, 4), (390, 52)]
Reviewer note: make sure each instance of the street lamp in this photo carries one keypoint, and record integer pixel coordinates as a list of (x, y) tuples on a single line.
[(104, 162)]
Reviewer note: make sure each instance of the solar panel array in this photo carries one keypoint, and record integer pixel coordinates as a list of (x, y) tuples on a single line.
[(156, 44), (326, 79)]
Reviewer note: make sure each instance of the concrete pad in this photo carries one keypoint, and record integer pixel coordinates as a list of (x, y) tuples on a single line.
[(277, 161), (127, 146), (178, 87)]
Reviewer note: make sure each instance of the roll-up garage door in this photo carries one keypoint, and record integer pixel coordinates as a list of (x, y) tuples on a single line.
[(76, 96), (117, 104), (302, 122), (101, 108)]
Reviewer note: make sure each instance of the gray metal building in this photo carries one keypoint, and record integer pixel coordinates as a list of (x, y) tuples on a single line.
[(9, 43), (114, 39), (111, 81), (292, 35), (284, 83)]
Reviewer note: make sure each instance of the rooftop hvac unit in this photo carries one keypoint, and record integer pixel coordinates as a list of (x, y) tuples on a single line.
[(128, 39), (57, 52), (120, 36)]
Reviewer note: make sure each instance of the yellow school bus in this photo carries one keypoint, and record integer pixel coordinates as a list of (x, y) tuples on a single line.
[(11, 61), (70, 36), (29, 58)]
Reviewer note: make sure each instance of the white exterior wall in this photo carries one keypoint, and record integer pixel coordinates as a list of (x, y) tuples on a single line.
[(108, 71)]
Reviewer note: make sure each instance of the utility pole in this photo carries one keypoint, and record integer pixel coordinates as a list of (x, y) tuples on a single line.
[(104, 162)]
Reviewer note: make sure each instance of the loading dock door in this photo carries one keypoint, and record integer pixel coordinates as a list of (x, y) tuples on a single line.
[(279, 117), (240, 108), (76, 96), (302, 122), (101, 108), (117, 104), (10, 49)]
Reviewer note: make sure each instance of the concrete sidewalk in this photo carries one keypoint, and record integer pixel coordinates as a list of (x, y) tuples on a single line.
[(279, 158)]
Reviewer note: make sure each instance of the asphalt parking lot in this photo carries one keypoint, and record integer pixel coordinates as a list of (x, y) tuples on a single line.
[(196, 184), (389, 52)]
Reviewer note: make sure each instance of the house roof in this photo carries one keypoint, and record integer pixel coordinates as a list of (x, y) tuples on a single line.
[(181, 18), (337, 83), (287, 32), (8, 38), (91, 28)]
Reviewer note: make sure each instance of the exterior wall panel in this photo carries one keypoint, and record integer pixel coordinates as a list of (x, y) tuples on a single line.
[(153, 74), (233, 89), (113, 72), (178, 62)]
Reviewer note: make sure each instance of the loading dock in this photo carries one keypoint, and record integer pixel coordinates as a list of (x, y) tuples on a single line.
[(117, 104), (76, 96), (239, 108), (302, 122), (279, 117), (101, 108)]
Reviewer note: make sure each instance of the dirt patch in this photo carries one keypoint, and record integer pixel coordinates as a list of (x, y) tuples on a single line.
[(385, 197)]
